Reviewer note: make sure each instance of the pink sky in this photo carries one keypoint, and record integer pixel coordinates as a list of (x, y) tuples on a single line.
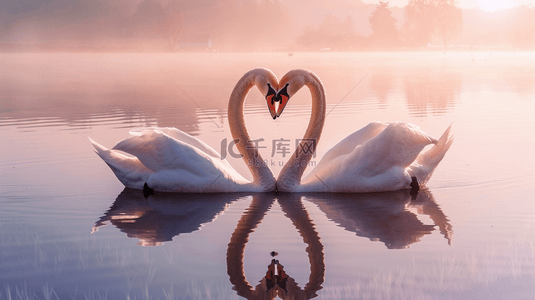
[(490, 4)]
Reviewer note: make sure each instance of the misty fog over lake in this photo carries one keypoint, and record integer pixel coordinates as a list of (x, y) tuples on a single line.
[(71, 71), (70, 229)]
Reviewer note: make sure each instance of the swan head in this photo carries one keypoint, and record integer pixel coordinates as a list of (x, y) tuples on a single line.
[(292, 82), (271, 98), (268, 84)]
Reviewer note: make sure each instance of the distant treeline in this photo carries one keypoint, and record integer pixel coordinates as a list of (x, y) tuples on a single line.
[(426, 23), (255, 25)]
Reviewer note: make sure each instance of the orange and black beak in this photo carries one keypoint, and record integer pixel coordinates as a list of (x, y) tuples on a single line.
[(271, 98), (282, 98)]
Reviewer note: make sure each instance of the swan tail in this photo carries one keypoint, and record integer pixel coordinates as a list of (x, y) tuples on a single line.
[(128, 169), (427, 161)]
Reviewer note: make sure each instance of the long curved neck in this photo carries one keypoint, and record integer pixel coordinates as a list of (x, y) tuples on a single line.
[(262, 175), (293, 170)]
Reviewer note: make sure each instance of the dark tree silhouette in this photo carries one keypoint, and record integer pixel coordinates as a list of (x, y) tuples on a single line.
[(242, 25), (3, 23), (171, 23), (146, 19), (427, 18), (522, 34), (332, 33), (418, 22), (449, 20), (383, 24)]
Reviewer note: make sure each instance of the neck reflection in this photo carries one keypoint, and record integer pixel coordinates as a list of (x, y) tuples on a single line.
[(276, 282)]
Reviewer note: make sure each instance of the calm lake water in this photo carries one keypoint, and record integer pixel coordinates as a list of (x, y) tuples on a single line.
[(69, 230)]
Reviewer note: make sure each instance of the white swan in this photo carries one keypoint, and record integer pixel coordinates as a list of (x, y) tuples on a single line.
[(379, 157), (169, 160)]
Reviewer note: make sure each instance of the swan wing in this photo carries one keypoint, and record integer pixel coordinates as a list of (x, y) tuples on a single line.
[(169, 165), (398, 145), (178, 135), (353, 140), (158, 151), (378, 164), (375, 149)]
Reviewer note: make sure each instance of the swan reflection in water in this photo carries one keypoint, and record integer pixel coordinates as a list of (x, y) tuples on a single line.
[(391, 218), (160, 217)]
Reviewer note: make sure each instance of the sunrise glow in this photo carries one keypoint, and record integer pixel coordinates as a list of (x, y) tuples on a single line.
[(496, 5)]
